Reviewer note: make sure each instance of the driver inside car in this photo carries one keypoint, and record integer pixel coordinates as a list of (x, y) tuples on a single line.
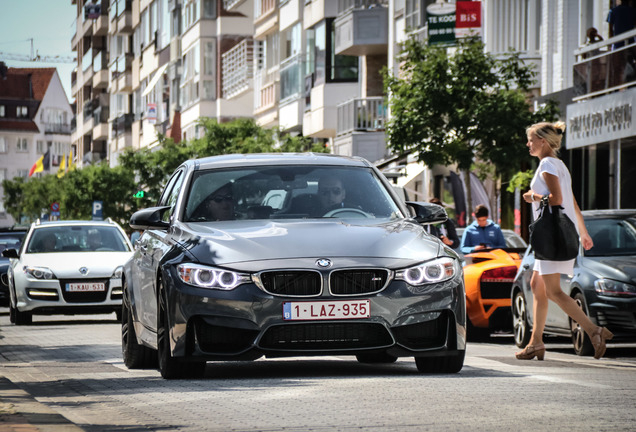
[(331, 193)]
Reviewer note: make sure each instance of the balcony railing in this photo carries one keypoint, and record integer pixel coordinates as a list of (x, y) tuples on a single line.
[(237, 68), (122, 124), (57, 128), (265, 94), (292, 77), (121, 64), (87, 59), (361, 114), (345, 5), (263, 7), (118, 7), (604, 67)]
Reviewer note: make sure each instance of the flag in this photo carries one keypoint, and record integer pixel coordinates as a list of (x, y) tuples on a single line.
[(62, 169), (71, 164), (41, 164)]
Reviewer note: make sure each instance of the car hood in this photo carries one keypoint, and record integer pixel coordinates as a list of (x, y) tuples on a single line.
[(67, 264), (621, 268), (397, 243)]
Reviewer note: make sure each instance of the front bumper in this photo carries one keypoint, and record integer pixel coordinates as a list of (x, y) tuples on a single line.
[(49, 297), (247, 323), (617, 314)]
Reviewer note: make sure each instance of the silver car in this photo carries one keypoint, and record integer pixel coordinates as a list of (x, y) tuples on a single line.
[(67, 267)]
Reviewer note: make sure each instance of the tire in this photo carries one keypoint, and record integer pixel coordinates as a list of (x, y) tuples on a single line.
[(580, 341), (11, 314), (444, 364), (376, 358), (520, 326), (169, 366), (21, 318), (135, 356)]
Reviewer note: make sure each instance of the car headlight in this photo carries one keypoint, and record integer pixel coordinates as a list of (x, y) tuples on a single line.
[(39, 272), (117, 273), (438, 270), (611, 287), (210, 277)]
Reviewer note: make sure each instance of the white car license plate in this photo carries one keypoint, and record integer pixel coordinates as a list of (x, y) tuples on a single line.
[(327, 310), (85, 287)]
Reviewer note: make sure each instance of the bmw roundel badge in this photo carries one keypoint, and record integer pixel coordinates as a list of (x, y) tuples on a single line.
[(323, 262)]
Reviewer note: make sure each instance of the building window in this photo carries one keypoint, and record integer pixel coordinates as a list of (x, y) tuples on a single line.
[(21, 111), (22, 173), (190, 13), (2, 111), (191, 76), (3, 145), (412, 16), (209, 9), (23, 145), (329, 67), (39, 147)]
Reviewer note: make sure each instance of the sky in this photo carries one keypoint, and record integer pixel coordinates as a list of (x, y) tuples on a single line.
[(51, 25)]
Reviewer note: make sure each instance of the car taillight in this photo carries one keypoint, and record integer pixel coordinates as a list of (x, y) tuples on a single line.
[(501, 274)]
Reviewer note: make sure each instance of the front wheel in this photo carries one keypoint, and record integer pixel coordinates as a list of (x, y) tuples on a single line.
[(169, 366), (520, 325), (443, 364), (135, 356), (20, 318), (580, 340)]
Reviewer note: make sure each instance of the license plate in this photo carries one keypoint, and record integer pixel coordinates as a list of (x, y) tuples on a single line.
[(327, 310), (85, 287)]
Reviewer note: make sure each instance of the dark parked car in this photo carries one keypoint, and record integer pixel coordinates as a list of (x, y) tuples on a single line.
[(285, 275), (603, 283), (10, 238)]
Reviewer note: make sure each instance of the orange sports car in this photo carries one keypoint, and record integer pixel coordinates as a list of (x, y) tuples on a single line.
[(488, 277)]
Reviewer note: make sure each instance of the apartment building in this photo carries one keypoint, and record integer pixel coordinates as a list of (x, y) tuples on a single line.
[(150, 67), (34, 119)]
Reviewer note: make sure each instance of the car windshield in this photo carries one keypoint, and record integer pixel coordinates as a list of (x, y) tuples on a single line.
[(612, 236), (275, 192), (77, 238)]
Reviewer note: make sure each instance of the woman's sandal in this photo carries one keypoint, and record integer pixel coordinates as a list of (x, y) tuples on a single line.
[(531, 351), (600, 335)]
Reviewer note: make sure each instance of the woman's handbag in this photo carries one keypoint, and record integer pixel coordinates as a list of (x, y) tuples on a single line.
[(553, 236)]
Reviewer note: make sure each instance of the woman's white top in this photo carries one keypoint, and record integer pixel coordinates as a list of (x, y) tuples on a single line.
[(557, 168)]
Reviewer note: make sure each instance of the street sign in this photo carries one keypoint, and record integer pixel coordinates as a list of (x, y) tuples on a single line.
[(97, 210), (55, 207)]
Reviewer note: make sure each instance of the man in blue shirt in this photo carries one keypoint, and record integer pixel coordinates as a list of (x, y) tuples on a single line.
[(483, 233)]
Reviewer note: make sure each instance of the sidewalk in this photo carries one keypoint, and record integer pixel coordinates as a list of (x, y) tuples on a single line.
[(19, 412)]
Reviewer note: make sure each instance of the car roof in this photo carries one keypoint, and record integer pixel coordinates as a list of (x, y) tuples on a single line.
[(75, 223), (609, 213), (261, 159)]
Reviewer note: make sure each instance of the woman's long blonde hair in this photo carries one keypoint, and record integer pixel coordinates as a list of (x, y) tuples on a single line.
[(551, 132)]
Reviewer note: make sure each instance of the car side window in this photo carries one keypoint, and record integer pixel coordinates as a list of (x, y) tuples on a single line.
[(170, 194)]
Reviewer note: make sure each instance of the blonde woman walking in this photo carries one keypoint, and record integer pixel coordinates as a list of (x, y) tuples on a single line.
[(552, 178)]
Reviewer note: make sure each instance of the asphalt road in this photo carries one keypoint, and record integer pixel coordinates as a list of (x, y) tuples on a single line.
[(70, 369)]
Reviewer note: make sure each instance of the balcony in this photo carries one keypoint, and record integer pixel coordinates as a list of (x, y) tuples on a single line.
[(121, 74), (292, 78), (266, 86), (265, 17), (362, 27), (57, 128), (122, 124), (229, 4), (100, 123), (361, 114), (100, 70), (237, 67), (121, 17), (599, 69)]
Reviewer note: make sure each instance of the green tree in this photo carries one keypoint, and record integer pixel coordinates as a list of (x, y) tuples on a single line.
[(460, 106)]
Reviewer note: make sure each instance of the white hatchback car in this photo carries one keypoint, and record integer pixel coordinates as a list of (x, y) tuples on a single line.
[(67, 267)]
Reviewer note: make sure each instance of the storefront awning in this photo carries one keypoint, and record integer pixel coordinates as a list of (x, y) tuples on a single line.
[(155, 79)]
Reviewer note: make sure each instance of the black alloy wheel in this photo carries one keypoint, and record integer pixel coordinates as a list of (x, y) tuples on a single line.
[(581, 342), (135, 356), (520, 325), (169, 366), (442, 364)]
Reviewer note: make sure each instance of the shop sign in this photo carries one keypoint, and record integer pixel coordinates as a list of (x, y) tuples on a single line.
[(601, 119), (441, 23)]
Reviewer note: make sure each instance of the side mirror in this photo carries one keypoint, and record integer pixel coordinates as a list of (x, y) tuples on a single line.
[(149, 218), (10, 253), (427, 213)]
